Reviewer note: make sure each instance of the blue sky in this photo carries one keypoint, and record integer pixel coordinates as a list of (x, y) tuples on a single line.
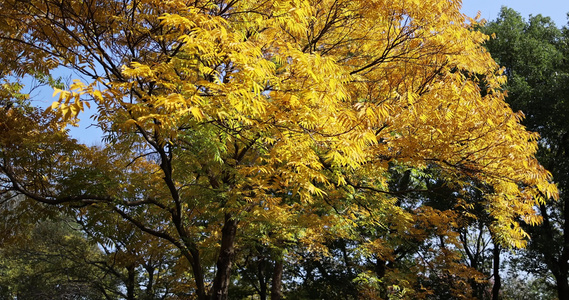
[(489, 9)]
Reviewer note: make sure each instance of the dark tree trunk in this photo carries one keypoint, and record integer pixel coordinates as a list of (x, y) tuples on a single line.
[(563, 265), (130, 282), (496, 267), (562, 287), (194, 258), (150, 285), (277, 281), (380, 268), (557, 264), (221, 282), (261, 276)]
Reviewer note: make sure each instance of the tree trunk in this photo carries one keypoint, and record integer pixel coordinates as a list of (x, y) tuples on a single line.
[(130, 282), (261, 277), (150, 284), (562, 287), (194, 258), (380, 268), (557, 264), (496, 267), (277, 281), (221, 282), (563, 265)]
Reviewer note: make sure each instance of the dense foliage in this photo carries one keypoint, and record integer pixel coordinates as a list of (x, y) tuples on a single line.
[(307, 149), (535, 55)]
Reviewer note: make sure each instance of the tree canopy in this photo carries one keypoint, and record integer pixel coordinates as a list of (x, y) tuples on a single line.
[(534, 53), (246, 134)]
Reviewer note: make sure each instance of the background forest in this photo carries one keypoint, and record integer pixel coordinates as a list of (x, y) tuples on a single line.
[(286, 150)]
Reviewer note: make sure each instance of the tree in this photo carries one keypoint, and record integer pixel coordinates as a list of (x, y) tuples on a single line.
[(276, 119), (53, 260), (145, 266), (534, 55)]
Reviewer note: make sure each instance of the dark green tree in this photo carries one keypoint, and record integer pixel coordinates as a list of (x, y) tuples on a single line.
[(53, 260), (534, 54)]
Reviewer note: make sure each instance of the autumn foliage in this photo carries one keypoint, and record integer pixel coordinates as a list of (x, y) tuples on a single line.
[(237, 126)]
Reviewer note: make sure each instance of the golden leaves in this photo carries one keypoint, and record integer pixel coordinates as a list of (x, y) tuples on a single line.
[(285, 111), (70, 104), (138, 70), (320, 92)]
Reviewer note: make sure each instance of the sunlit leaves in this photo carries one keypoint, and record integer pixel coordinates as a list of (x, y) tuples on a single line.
[(287, 120)]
